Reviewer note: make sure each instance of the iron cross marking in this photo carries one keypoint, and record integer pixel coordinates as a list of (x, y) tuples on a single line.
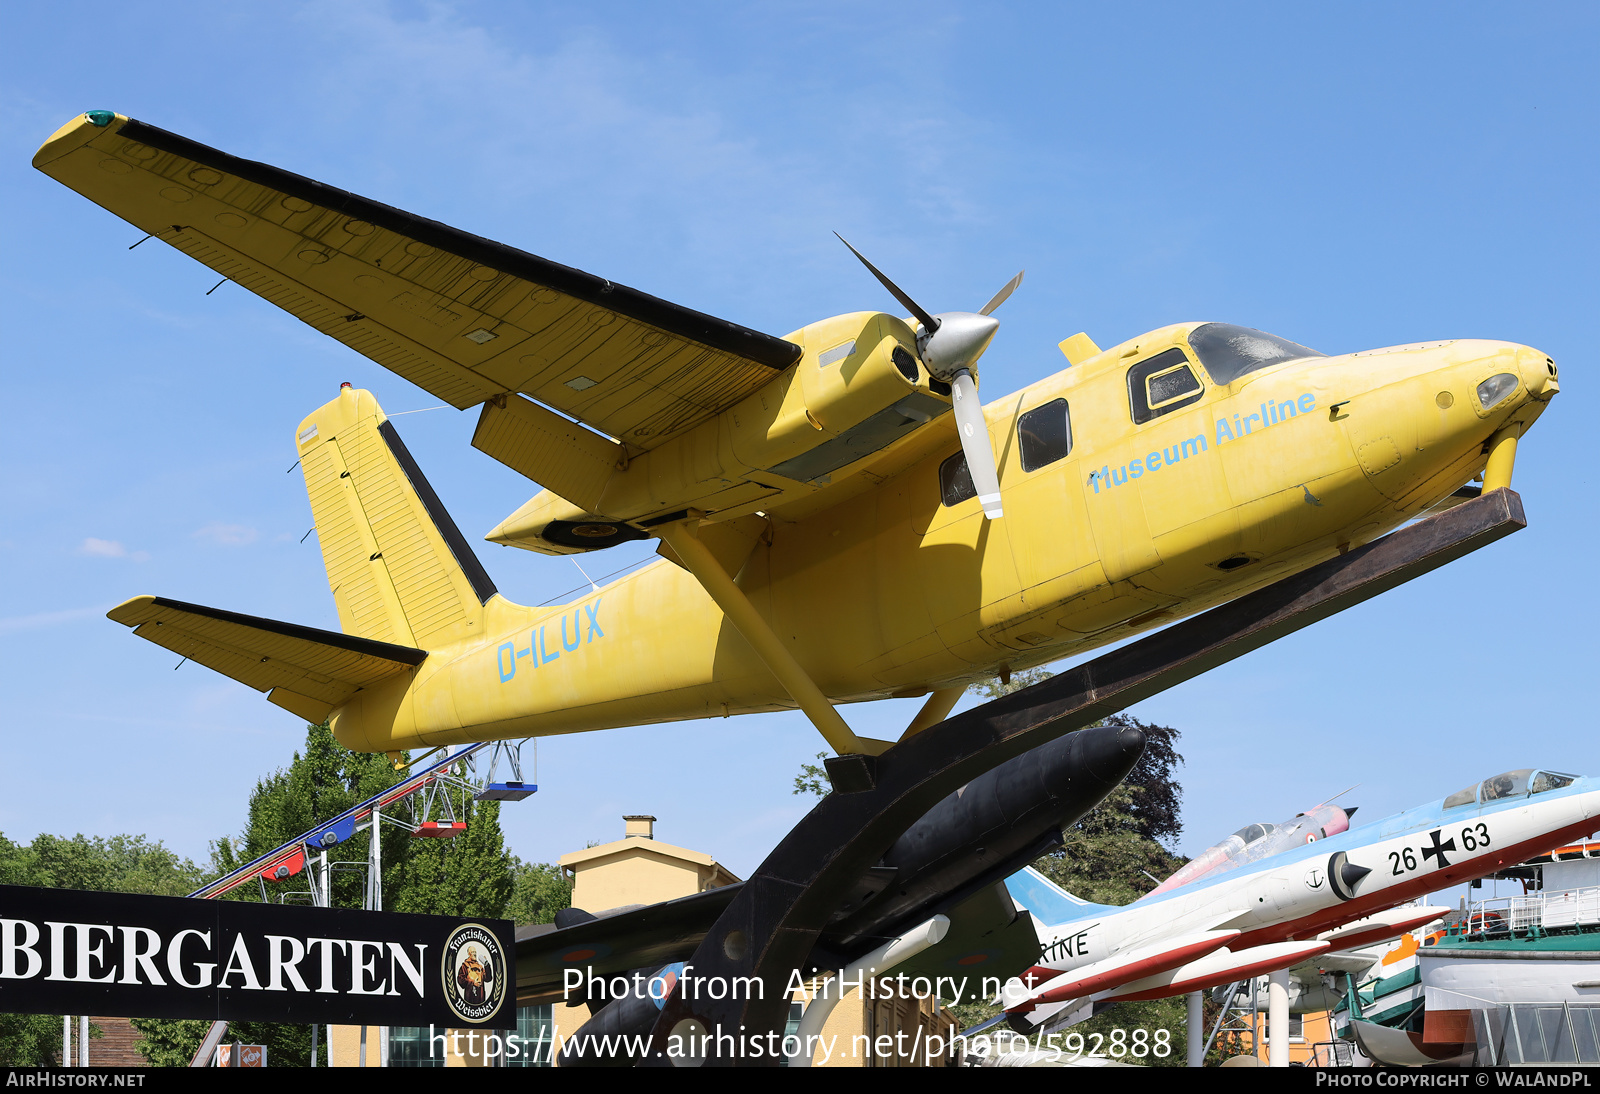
[(1438, 849)]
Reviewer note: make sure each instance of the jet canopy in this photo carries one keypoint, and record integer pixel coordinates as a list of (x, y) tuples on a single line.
[(1510, 784)]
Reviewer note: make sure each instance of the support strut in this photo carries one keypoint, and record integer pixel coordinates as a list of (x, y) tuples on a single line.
[(770, 928), (699, 561)]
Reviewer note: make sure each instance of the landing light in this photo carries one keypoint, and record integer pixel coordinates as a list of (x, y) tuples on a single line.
[(1496, 388)]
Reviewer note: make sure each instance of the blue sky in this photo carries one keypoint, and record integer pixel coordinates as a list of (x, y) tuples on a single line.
[(1348, 176)]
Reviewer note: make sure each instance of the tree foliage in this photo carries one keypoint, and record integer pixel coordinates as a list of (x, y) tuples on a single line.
[(813, 779), (538, 891)]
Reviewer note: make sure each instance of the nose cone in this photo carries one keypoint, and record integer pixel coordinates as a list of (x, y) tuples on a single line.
[(1539, 373), (1107, 753), (960, 340)]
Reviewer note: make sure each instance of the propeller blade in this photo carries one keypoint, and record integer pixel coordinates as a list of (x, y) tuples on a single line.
[(929, 323), (1000, 297), (975, 442)]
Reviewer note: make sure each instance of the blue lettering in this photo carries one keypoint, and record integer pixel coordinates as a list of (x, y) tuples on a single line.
[(570, 646), (594, 622), (1173, 454), (1247, 422), (508, 665), (1285, 410), (1135, 469), (1223, 432), (1197, 444), (1152, 462), (544, 657), (1122, 480), (1307, 401)]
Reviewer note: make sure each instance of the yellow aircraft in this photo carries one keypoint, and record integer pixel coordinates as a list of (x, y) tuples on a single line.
[(829, 533)]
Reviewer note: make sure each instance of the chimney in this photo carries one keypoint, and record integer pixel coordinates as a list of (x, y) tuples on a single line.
[(639, 827)]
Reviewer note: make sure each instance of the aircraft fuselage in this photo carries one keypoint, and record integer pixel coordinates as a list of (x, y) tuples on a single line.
[(891, 591)]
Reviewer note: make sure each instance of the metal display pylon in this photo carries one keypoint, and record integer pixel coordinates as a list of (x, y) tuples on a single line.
[(769, 929)]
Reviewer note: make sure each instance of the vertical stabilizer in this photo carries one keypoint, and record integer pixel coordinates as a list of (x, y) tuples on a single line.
[(398, 566)]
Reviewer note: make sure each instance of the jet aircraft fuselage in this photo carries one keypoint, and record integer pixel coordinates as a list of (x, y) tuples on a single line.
[(1302, 895)]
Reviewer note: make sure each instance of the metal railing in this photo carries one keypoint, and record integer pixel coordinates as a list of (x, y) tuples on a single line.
[(1534, 913)]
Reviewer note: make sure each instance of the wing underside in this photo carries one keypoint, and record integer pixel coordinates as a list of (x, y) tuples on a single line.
[(464, 317)]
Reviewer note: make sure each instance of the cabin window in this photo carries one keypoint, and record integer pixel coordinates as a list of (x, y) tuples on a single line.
[(1044, 435), (1462, 797), (1229, 352), (955, 481), (1161, 385)]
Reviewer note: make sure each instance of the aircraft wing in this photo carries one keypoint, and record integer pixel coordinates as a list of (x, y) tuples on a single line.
[(304, 670), (639, 938), (464, 317)]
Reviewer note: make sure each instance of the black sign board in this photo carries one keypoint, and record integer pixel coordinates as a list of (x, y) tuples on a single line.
[(67, 951)]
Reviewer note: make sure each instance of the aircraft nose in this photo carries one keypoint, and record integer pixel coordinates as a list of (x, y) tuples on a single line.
[(1539, 373), (1107, 753)]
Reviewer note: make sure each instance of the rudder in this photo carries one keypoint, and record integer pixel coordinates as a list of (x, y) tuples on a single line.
[(398, 566)]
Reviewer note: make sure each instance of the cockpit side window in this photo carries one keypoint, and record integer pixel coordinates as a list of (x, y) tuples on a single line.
[(1550, 780), (955, 480), (1462, 797), (1160, 385), (1229, 352), (1044, 435)]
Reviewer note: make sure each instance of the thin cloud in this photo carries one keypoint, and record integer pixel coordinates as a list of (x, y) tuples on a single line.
[(109, 548), (49, 619), (227, 535)]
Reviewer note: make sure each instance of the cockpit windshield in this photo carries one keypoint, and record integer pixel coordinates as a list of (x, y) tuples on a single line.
[(1229, 352), (1252, 832), (1510, 784)]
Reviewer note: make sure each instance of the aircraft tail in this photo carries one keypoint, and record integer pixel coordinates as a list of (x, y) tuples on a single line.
[(400, 570), (1048, 902)]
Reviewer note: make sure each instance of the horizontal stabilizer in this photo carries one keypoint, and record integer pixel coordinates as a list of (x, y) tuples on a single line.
[(305, 670)]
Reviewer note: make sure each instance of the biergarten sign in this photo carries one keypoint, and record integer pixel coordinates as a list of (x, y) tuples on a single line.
[(68, 951)]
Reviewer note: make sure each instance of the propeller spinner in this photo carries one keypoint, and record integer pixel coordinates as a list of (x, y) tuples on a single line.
[(950, 344)]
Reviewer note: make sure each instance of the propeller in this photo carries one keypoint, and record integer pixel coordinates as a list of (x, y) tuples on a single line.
[(950, 344)]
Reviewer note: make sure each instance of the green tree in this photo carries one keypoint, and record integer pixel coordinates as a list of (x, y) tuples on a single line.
[(813, 779), (469, 874), (538, 892)]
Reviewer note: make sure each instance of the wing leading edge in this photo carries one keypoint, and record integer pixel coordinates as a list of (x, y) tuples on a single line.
[(464, 317)]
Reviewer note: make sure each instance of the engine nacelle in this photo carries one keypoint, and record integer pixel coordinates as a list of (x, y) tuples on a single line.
[(857, 389)]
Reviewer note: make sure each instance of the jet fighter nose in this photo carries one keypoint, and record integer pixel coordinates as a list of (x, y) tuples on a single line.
[(1107, 753)]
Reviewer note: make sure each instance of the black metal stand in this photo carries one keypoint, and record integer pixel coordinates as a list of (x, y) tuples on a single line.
[(732, 998)]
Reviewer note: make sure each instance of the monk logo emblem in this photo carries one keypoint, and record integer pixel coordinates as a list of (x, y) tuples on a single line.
[(474, 973)]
